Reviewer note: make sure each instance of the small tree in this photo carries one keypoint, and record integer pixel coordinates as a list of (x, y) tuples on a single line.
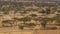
[(44, 21), (33, 15), (25, 19), (57, 19), (30, 24), (7, 22), (21, 27), (58, 11), (47, 11)]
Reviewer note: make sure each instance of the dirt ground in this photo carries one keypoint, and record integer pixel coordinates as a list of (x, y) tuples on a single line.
[(31, 32)]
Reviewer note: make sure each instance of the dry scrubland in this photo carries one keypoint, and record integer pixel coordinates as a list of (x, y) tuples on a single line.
[(27, 18)]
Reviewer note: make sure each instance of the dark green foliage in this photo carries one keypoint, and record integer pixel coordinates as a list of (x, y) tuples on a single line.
[(7, 21), (44, 21), (33, 15), (47, 11), (26, 25), (51, 28), (42, 11), (25, 19), (54, 28), (30, 24), (58, 11), (57, 18), (21, 27)]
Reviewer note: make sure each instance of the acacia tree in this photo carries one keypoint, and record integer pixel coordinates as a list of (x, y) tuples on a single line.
[(7, 22), (24, 19), (44, 22), (57, 19)]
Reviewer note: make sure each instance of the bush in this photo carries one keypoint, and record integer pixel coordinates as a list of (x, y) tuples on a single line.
[(58, 24), (21, 27), (33, 15), (30, 24), (51, 28)]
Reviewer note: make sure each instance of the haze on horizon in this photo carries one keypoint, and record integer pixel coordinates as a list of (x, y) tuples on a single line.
[(30, 0)]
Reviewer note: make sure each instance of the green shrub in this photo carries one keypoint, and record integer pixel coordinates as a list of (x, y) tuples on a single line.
[(21, 27), (31, 24), (53, 28), (33, 15)]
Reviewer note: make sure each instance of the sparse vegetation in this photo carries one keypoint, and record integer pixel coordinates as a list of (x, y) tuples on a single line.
[(36, 12), (21, 27), (33, 15), (30, 24), (7, 23)]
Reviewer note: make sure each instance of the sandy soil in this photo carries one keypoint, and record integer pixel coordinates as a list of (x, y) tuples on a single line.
[(33, 32)]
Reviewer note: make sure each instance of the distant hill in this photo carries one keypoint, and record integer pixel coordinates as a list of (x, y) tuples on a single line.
[(32, 0)]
